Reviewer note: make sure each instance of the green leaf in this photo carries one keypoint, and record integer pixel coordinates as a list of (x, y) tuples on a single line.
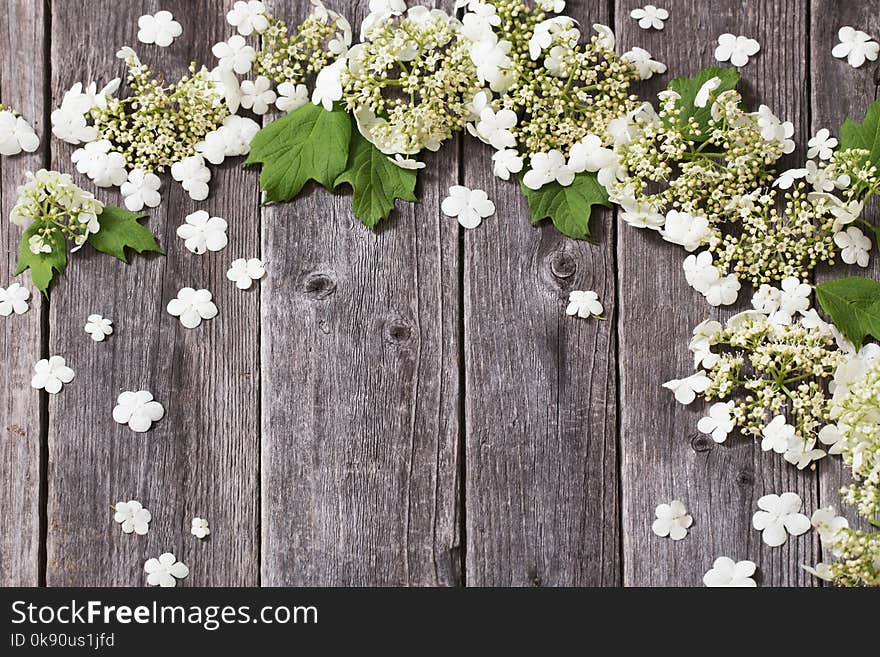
[(568, 207), (120, 230), (308, 144), (43, 266), (375, 181), (854, 306), (864, 135), (687, 88)]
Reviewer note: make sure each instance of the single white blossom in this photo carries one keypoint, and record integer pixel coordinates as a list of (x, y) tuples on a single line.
[(138, 410), (202, 233), (689, 231), (856, 46), (192, 306), (719, 423), (199, 528), (777, 435), (159, 28), (141, 189), (193, 175), (290, 97), (494, 128), (50, 375), (165, 571), (726, 572), (685, 390), (584, 304), (14, 299), (736, 49), (830, 436), (105, 167), (650, 16), (855, 246), (546, 168), (801, 453), (235, 54), (699, 272), (590, 155), (506, 162), (98, 327), (248, 17), (640, 215), (406, 162), (328, 84), (257, 95), (703, 93), (244, 272), (723, 291), (38, 244), (794, 298), (821, 144), (645, 66), (16, 135), (779, 516), (672, 520), (827, 524), (773, 129), (470, 206), (133, 517)]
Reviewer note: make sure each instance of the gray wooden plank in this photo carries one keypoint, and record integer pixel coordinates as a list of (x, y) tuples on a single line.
[(203, 457), (839, 91), (663, 455), (22, 33), (360, 351), (541, 485)]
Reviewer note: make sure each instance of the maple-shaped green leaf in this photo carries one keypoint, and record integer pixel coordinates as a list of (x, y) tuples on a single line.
[(375, 181), (568, 207), (43, 266), (687, 88), (120, 230), (854, 306), (307, 144), (864, 135)]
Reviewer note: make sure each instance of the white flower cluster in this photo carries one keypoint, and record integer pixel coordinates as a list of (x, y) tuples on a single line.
[(16, 134)]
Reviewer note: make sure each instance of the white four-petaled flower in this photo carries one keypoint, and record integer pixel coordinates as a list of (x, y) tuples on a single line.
[(201, 232), (16, 135), (235, 54), (685, 390), (584, 304), (138, 410), (719, 422), (51, 374), (777, 435), (726, 572), (856, 46), (133, 517), (244, 272), (650, 16), (141, 189), (546, 168), (645, 66), (165, 571), (257, 95), (779, 516), (470, 206), (672, 520), (159, 28), (98, 327), (199, 527), (192, 306), (291, 98), (248, 17), (193, 175), (736, 49), (14, 299)]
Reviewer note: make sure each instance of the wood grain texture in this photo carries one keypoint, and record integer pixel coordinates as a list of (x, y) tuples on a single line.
[(360, 351), (664, 457), (840, 91), (21, 31), (540, 392), (202, 458)]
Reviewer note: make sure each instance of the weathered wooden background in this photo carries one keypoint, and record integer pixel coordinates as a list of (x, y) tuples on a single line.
[(404, 408)]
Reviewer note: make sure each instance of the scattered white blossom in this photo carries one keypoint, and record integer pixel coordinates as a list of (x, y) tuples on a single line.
[(780, 516), (672, 520), (244, 272), (546, 168), (257, 95), (199, 528), (822, 144), (202, 232), (16, 134), (719, 423), (235, 54), (98, 327), (165, 571), (105, 167), (856, 46), (408, 163), (159, 28), (248, 17), (470, 206), (645, 65), (192, 306), (584, 304), (687, 230), (14, 299), (51, 374), (855, 246), (291, 97), (736, 49), (685, 390), (726, 572), (141, 189), (138, 410), (506, 162), (328, 84), (133, 517)]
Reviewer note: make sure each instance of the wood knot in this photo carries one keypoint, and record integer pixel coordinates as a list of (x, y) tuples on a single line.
[(318, 285), (701, 443), (398, 330), (534, 578), (562, 265), (745, 478)]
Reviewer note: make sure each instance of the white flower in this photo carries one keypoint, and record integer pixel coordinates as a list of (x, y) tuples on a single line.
[(546, 168), (801, 453), (231, 139), (406, 162), (772, 129), (726, 572), (766, 299), (202, 232), (685, 390), (138, 410), (856, 46), (133, 517), (257, 94), (699, 271), (584, 304), (160, 28), (645, 66), (291, 98), (51, 374), (37, 245), (199, 527), (705, 335), (494, 65), (777, 435), (69, 120), (98, 328), (794, 297), (827, 524), (193, 175), (192, 306), (854, 246), (672, 520), (235, 54), (227, 83), (786, 178), (779, 517), (494, 128), (719, 422), (822, 571), (248, 17), (14, 299), (822, 144), (105, 167), (589, 155), (477, 23), (328, 85), (16, 135), (506, 162), (606, 36), (554, 6), (650, 16), (710, 85), (689, 231), (470, 206), (640, 215), (736, 49), (723, 290), (244, 272), (165, 571), (830, 435), (141, 189)]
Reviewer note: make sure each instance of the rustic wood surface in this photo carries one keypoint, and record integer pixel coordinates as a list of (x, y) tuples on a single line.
[(410, 407)]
